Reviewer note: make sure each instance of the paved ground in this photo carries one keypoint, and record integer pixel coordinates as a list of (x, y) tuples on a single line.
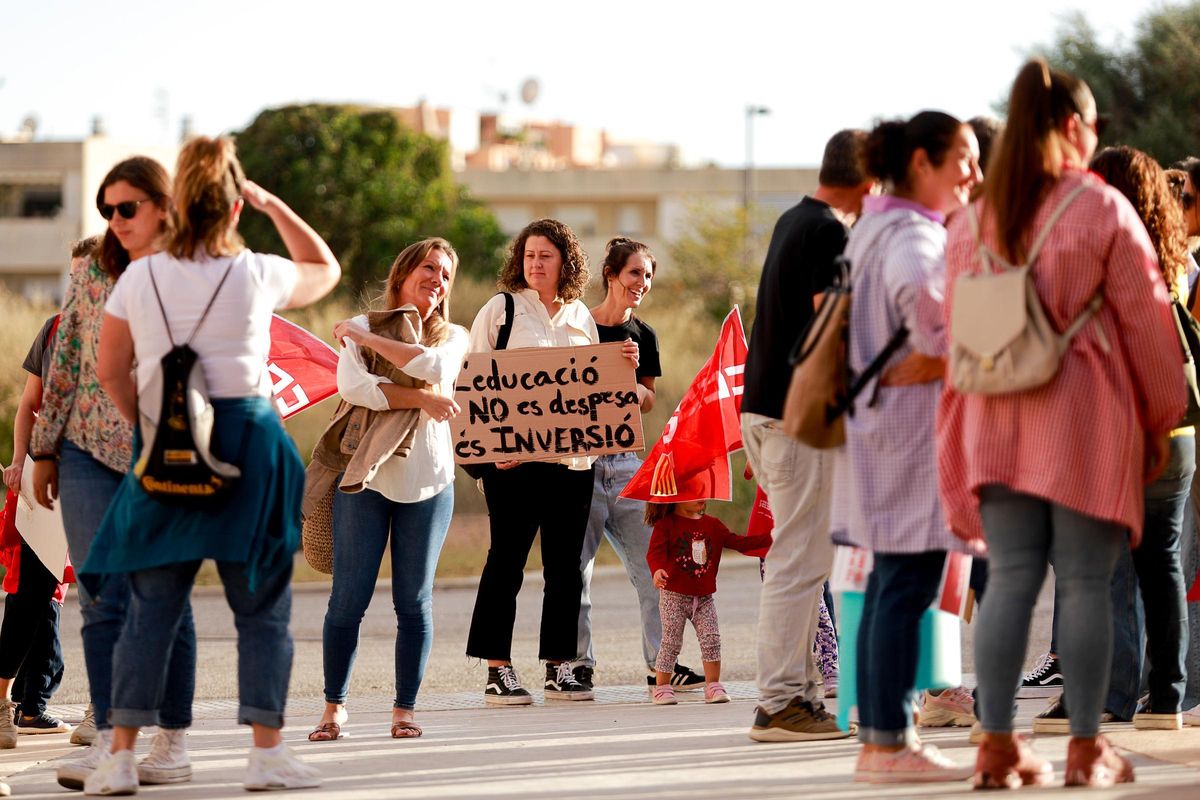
[(619, 746)]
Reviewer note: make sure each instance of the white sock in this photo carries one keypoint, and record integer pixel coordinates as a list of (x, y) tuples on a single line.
[(277, 750)]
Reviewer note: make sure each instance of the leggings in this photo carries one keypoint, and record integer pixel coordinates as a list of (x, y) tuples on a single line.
[(675, 609)]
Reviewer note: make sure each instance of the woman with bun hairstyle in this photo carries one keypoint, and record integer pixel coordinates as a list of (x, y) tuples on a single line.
[(1056, 472), (885, 488), (81, 447), (208, 290), (628, 273)]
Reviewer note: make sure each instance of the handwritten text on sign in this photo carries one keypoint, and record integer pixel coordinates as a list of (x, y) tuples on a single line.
[(546, 403)]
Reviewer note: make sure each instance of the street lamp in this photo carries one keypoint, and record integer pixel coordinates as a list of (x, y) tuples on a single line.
[(752, 111)]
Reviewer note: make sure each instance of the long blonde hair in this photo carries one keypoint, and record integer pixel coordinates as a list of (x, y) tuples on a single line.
[(208, 183), (437, 327)]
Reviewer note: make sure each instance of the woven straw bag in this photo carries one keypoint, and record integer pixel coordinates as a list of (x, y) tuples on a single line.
[(316, 535)]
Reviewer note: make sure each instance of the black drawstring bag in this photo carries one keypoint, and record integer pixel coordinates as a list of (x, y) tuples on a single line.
[(176, 464)]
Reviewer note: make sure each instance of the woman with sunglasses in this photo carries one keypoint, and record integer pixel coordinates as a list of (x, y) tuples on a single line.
[(81, 448), (207, 289), (1056, 472)]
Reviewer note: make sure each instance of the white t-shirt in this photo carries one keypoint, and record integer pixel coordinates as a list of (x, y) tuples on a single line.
[(235, 338)]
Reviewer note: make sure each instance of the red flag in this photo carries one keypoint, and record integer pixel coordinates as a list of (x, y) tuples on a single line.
[(303, 368), (761, 521), (690, 461)]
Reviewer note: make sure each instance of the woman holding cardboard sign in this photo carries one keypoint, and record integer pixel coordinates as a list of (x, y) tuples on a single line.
[(545, 272), (410, 498)]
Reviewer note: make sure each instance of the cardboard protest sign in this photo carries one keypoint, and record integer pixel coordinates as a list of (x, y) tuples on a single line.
[(546, 403)]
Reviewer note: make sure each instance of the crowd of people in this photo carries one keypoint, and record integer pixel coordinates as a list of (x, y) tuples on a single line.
[(949, 450)]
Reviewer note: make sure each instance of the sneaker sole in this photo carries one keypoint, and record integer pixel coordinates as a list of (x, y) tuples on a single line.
[(1158, 722), (1051, 726), (784, 735), (158, 776), (931, 776), (551, 695), (946, 719), (491, 701), (36, 731), (74, 782), (720, 699), (278, 787)]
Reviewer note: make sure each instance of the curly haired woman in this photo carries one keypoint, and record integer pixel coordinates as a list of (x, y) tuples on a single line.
[(545, 273)]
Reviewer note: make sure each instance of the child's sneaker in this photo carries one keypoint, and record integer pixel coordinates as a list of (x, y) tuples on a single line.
[(715, 693), (276, 768), (561, 684), (115, 774), (42, 723), (918, 764), (663, 695), (952, 707), (168, 761), (504, 688), (72, 774)]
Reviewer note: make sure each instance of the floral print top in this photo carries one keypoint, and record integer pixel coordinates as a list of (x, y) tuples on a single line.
[(74, 406)]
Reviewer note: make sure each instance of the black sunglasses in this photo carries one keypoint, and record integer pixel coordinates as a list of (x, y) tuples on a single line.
[(1189, 200), (1100, 124), (127, 210)]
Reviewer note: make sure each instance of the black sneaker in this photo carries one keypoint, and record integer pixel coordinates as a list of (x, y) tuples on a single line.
[(504, 688), (584, 676), (1047, 673), (684, 679), (1055, 719), (561, 684), (42, 723)]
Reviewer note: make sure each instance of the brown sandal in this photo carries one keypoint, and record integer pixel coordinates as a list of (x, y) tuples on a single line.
[(412, 728), (326, 732)]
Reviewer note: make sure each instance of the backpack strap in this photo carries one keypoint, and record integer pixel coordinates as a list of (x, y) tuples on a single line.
[(203, 315), (988, 256), (506, 328)]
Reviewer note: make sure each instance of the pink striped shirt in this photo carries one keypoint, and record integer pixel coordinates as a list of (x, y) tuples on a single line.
[(1079, 440)]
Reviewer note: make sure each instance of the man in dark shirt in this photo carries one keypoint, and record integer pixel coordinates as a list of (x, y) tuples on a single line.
[(797, 479)]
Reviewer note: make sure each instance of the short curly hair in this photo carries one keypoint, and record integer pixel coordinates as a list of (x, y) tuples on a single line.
[(575, 274)]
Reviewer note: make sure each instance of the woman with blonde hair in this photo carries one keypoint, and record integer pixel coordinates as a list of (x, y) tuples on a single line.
[(1055, 472), (409, 499), (211, 293)]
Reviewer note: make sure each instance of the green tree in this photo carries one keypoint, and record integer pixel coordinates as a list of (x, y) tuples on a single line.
[(366, 183), (717, 258), (1148, 86)]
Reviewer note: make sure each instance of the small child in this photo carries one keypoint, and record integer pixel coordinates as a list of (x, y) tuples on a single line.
[(684, 553)]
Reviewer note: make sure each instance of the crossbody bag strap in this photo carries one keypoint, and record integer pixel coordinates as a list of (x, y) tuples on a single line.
[(506, 328)]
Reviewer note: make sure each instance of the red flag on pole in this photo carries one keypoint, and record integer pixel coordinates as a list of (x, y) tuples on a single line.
[(690, 461), (303, 368)]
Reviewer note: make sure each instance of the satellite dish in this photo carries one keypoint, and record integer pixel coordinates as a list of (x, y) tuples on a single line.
[(529, 91)]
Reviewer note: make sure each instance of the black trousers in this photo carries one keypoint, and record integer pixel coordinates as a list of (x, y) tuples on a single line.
[(521, 501), (30, 650)]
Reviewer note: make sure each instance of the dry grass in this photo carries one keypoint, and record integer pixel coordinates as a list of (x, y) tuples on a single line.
[(686, 337)]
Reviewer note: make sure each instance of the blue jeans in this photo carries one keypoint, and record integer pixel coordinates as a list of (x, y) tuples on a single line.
[(1190, 552), (85, 489), (362, 525), (1023, 532), (622, 521), (1155, 572), (158, 602), (900, 589)]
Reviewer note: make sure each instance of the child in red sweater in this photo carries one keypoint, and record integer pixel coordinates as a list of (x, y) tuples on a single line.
[(684, 553)]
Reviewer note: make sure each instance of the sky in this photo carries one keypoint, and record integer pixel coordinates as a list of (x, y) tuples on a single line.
[(673, 72)]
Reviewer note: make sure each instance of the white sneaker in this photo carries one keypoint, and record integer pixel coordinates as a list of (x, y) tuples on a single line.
[(8, 724), (168, 761), (115, 774), (85, 732), (72, 774), (276, 768), (1191, 718)]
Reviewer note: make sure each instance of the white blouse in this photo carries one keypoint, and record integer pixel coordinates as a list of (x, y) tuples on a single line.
[(429, 467), (533, 326)]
